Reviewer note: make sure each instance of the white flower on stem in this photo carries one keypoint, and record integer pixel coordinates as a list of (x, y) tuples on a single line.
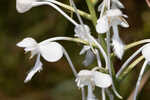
[(95, 78), (112, 17), (91, 79), (50, 51)]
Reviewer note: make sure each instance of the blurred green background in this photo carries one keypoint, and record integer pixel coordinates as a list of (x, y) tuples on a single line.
[(56, 81)]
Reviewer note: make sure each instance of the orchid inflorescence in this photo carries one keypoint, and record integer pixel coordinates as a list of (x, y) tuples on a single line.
[(103, 75)]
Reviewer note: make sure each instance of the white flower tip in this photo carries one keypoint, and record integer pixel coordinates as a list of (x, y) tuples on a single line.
[(124, 23), (27, 42), (146, 52), (23, 6), (102, 25), (118, 47), (51, 51)]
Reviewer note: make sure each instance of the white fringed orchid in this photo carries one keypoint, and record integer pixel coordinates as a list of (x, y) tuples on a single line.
[(92, 78), (50, 51), (113, 18)]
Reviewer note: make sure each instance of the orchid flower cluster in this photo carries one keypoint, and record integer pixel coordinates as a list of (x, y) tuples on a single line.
[(107, 44)]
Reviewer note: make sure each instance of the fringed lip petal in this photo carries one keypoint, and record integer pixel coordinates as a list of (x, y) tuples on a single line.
[(118, 47), (51, 51), (37, 68)]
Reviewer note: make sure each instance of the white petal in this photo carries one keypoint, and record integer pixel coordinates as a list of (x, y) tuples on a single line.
[(84, 77), (37, 68), (82, 32), (51, 51), (146, 52), (117, 43), (102, 25), (114, 12), (84, 49), (102, 80), (24, 5), (100, 6), (124, 23), (89, 58), (118, 47), (119, 4), (85, 73), (27, 42)]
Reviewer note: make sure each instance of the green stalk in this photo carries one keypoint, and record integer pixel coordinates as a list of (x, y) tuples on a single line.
[(82, 13), (136, 43), (92, 11)]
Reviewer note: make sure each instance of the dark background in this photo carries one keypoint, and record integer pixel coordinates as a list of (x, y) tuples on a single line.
[(56, 82)]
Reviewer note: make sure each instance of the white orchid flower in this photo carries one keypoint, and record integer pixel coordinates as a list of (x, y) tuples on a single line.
[(50, 51), (111, 18), (91, 79), (95, 78)]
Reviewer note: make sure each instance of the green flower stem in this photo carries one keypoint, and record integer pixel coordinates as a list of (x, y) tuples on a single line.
[(131, 66), (136, 43), (82, 13), (92, 11)]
